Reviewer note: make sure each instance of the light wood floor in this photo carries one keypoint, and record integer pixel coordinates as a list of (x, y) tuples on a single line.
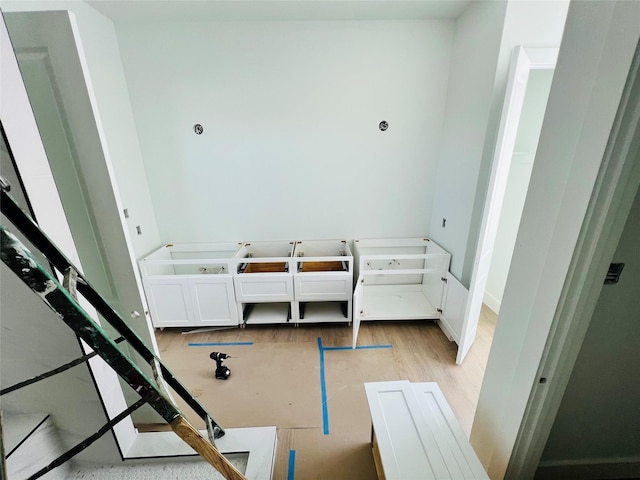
[(420, 353)]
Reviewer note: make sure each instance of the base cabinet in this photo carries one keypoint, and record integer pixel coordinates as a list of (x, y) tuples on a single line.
[(191, 285), (399, 279), (263, 280), (323, 281), (225, 284), (304, 281)]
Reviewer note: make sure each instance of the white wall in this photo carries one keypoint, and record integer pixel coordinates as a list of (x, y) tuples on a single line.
[(291, 147), (41, 87), (528, 23), (113, 111), (593, 63), (533, 110), (471, 81), (598, 418)]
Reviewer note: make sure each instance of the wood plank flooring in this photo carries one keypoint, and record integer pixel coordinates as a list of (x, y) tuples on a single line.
[(419, 352)]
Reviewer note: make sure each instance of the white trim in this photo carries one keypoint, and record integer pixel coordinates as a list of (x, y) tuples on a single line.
[(492, 302), (542, 58)]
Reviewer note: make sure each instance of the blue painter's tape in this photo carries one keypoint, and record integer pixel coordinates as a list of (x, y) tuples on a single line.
[(362, 347), (323, 384), (219, 344), (323, 390), (292, 464)]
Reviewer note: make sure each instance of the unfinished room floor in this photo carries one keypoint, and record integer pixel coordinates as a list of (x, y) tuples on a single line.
[(309, 384)]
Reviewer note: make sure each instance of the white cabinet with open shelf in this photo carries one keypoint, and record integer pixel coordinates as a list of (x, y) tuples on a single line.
[(264, 275), (406, 279), (323, 281)]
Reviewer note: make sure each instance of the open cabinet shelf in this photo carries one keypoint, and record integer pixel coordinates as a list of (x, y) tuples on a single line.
[(264, 275), (405, 279), (323, 274), (396, 302)]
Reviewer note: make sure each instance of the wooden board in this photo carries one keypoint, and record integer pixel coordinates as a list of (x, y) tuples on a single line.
[(323, 267), (266, 267)]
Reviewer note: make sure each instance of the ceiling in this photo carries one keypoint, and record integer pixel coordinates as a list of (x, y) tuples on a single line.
[(135, 11)]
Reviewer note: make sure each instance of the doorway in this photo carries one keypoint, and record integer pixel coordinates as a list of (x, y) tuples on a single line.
[(528, 134), (523, 62)]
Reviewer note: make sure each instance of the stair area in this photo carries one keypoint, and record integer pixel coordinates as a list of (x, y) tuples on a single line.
[(47, 292), (32, 441)]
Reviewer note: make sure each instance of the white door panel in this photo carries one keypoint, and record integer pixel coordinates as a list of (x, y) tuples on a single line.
[(454, 305), (214, 301)]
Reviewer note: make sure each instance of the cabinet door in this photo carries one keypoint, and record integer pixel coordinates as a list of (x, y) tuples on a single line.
[(454, 302), (169, 302), (213, 300)]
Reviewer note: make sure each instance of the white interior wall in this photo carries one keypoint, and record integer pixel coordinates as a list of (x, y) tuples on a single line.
[(593, 63), (42, 90), (528, 23), (527, 137), (291, 147), (113, 108), (598, 415), (471, 81)]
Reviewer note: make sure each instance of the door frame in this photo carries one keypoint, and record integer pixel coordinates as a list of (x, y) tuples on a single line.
[(523, 62)]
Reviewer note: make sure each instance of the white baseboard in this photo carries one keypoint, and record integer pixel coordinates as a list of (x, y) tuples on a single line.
[(492, 302), (448, 331), (590, 469)]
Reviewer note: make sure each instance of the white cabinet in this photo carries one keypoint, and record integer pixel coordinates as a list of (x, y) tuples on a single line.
[(323, 281), (308, 281), (219, 284), (191, 285), (406, 279), (263, 281), (416, 435)]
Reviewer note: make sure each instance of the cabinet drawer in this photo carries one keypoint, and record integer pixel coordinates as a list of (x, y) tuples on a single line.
[(256, 288)]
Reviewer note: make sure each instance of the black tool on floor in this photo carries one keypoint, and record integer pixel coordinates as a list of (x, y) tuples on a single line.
[(222, 371)]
